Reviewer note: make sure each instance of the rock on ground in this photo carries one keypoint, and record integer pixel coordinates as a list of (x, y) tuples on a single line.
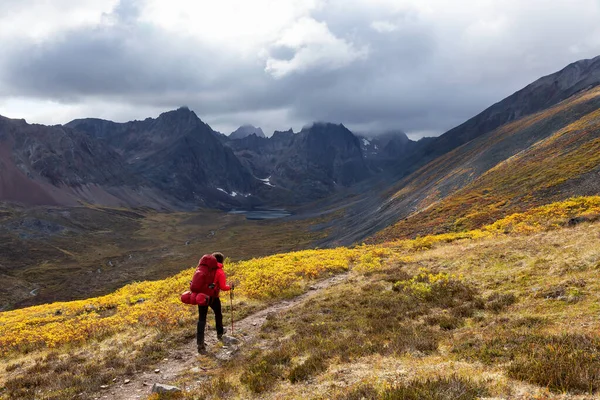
[(164, 389)]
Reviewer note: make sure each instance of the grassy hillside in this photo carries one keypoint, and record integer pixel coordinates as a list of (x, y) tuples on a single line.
[(539, 159), (487, 312)]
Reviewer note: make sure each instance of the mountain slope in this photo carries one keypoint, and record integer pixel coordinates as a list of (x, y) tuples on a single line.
[(546, 157), (538, 96), (58, 165), (327, 155), (180, 155), (535, 159)]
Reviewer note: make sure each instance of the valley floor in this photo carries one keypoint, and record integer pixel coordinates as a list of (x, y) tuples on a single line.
[(61, 254)]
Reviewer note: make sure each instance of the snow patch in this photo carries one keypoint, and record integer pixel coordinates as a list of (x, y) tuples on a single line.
[(366, 142), (267, 181), (234, 193)]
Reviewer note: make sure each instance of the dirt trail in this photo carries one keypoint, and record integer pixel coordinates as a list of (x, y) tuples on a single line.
[(185, 358)]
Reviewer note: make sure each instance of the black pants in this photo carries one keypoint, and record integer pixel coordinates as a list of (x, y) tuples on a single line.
[(215, 304)]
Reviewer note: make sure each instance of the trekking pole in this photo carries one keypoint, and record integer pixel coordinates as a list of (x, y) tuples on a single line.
[(231, 301)]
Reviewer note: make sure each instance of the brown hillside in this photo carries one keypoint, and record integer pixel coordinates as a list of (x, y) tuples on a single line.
[(545, 157)]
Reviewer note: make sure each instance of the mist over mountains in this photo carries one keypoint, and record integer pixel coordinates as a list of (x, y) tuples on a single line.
[(246, 130)]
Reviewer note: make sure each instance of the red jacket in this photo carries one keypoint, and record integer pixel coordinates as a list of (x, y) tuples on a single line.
[(220, 280)]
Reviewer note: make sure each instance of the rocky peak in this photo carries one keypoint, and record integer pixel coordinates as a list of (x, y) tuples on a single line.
[(137, 139), (383, 150), (289, 132), (283, 135), (396, 136), (177, 122), (246, 130), (182, 114), (329, 152), (60, 155), (178, 153), (325, 132)]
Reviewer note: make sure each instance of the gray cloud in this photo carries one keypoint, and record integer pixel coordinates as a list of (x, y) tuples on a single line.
[(411, 71)]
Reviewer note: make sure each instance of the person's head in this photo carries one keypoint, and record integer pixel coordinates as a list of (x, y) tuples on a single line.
[(220, 257)]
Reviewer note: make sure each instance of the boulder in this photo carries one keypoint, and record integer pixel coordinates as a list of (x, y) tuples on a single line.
[(165, 389), (227, 353), (230, 340)]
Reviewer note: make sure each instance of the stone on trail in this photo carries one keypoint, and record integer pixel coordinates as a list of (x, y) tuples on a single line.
[(226, 353), (165, 389), (230, 340)]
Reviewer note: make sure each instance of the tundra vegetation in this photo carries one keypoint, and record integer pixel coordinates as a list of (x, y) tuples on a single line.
[(508, 310)]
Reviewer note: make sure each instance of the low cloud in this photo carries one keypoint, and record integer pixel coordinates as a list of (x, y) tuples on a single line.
[(419, 66), (312, 46)]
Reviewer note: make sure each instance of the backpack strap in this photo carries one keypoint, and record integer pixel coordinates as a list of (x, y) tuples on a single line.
[(214, 280)]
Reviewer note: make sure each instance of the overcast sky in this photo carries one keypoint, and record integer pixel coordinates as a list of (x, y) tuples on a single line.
[(422, 66)]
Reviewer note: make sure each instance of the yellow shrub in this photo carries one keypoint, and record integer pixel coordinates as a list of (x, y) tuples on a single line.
[(427, 242), (546, 217), (442, 287), (156, 304)]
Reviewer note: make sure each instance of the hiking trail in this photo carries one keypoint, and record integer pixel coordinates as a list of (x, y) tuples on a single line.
[(185, 358)]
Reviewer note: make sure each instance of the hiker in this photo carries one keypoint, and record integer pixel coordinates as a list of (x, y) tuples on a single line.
[(210, 283)]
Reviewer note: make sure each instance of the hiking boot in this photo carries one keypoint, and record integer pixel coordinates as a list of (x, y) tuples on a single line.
[(201, 349), (220, 336)]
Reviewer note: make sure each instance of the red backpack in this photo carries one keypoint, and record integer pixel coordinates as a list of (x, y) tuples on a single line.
[(203, 285)]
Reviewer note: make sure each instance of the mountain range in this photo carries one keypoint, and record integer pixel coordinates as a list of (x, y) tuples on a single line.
[(178, 162)]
